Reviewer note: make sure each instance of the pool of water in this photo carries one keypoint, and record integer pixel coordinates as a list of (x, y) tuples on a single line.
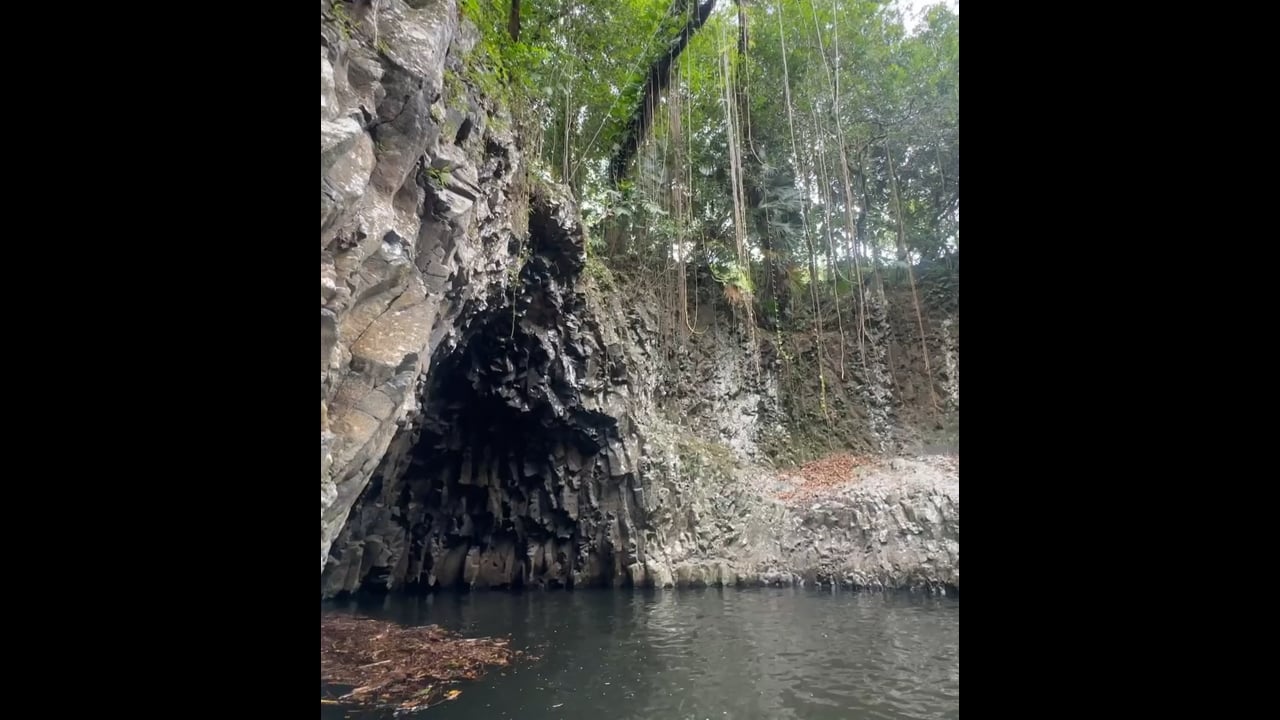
[(703, 654)]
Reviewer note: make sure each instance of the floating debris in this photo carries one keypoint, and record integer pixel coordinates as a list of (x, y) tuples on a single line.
[(408, 668)]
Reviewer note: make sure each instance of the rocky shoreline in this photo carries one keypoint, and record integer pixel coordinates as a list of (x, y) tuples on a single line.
[(888, 524), (895, 524)]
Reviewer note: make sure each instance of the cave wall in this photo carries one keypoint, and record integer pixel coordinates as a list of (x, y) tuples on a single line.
[(467, 409), (519, 466)]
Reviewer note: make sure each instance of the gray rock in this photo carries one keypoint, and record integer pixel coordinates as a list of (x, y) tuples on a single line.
[(343, 185), (336, 139), (378, 310), (328, 92)]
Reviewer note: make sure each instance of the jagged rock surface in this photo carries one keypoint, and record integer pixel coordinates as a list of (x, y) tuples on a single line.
[(492, 416), (521, 468), (417, 222), (896, 526)]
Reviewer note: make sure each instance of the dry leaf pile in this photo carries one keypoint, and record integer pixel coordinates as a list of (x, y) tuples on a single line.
[(823, 474)]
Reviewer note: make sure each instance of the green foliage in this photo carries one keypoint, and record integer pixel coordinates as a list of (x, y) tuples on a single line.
[(439, 176), (343, 19), (601, 203), (599, 273), (486, 64), (500, 67), (731, 275), (864, 89)]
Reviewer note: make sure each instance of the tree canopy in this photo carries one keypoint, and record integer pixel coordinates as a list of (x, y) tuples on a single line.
[(784, 146)]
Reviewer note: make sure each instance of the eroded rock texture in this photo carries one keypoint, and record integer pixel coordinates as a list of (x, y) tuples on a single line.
[(518, 471), (421, 203), (897, 527)]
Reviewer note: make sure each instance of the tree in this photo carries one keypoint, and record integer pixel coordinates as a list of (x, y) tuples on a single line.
[(655, 82)]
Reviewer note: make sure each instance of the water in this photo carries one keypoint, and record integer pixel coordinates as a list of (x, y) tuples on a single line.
[(710, 654)]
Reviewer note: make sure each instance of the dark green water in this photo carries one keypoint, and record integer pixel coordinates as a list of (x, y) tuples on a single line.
[(728, 654)]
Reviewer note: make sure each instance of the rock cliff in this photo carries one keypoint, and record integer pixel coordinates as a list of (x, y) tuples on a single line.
[(498, 411), (420, 218)]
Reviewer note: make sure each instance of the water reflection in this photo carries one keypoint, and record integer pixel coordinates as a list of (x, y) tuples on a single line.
[(770, 653)]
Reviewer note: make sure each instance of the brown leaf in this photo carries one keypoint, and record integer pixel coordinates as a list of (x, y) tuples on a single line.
[(388, 664)]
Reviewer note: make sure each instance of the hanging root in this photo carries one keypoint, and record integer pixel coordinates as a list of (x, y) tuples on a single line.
[(655, 83)]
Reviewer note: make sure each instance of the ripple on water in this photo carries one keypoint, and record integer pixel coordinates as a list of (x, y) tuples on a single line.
[(767, 653)]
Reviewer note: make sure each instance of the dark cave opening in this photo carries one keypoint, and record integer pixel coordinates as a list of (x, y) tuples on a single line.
[(485, 502), (497, 475)]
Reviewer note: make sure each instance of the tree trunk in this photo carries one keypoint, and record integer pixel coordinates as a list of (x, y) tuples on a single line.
[(568, 127), (904, 255), (655, 84), (900, 236), (513, 21), (772, 291), (866, 209)]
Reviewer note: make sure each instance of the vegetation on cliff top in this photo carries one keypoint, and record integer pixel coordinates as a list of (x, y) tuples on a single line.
[(789, 137), (796, 153)]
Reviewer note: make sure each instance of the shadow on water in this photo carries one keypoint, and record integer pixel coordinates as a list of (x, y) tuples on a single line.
[(715, 653)]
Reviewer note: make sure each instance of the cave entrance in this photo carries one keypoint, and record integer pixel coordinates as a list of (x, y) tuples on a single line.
[(493, 486), (506, 480)]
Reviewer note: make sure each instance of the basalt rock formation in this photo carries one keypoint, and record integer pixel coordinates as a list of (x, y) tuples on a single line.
[(520, 467), (419, 219), (497, 411)]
